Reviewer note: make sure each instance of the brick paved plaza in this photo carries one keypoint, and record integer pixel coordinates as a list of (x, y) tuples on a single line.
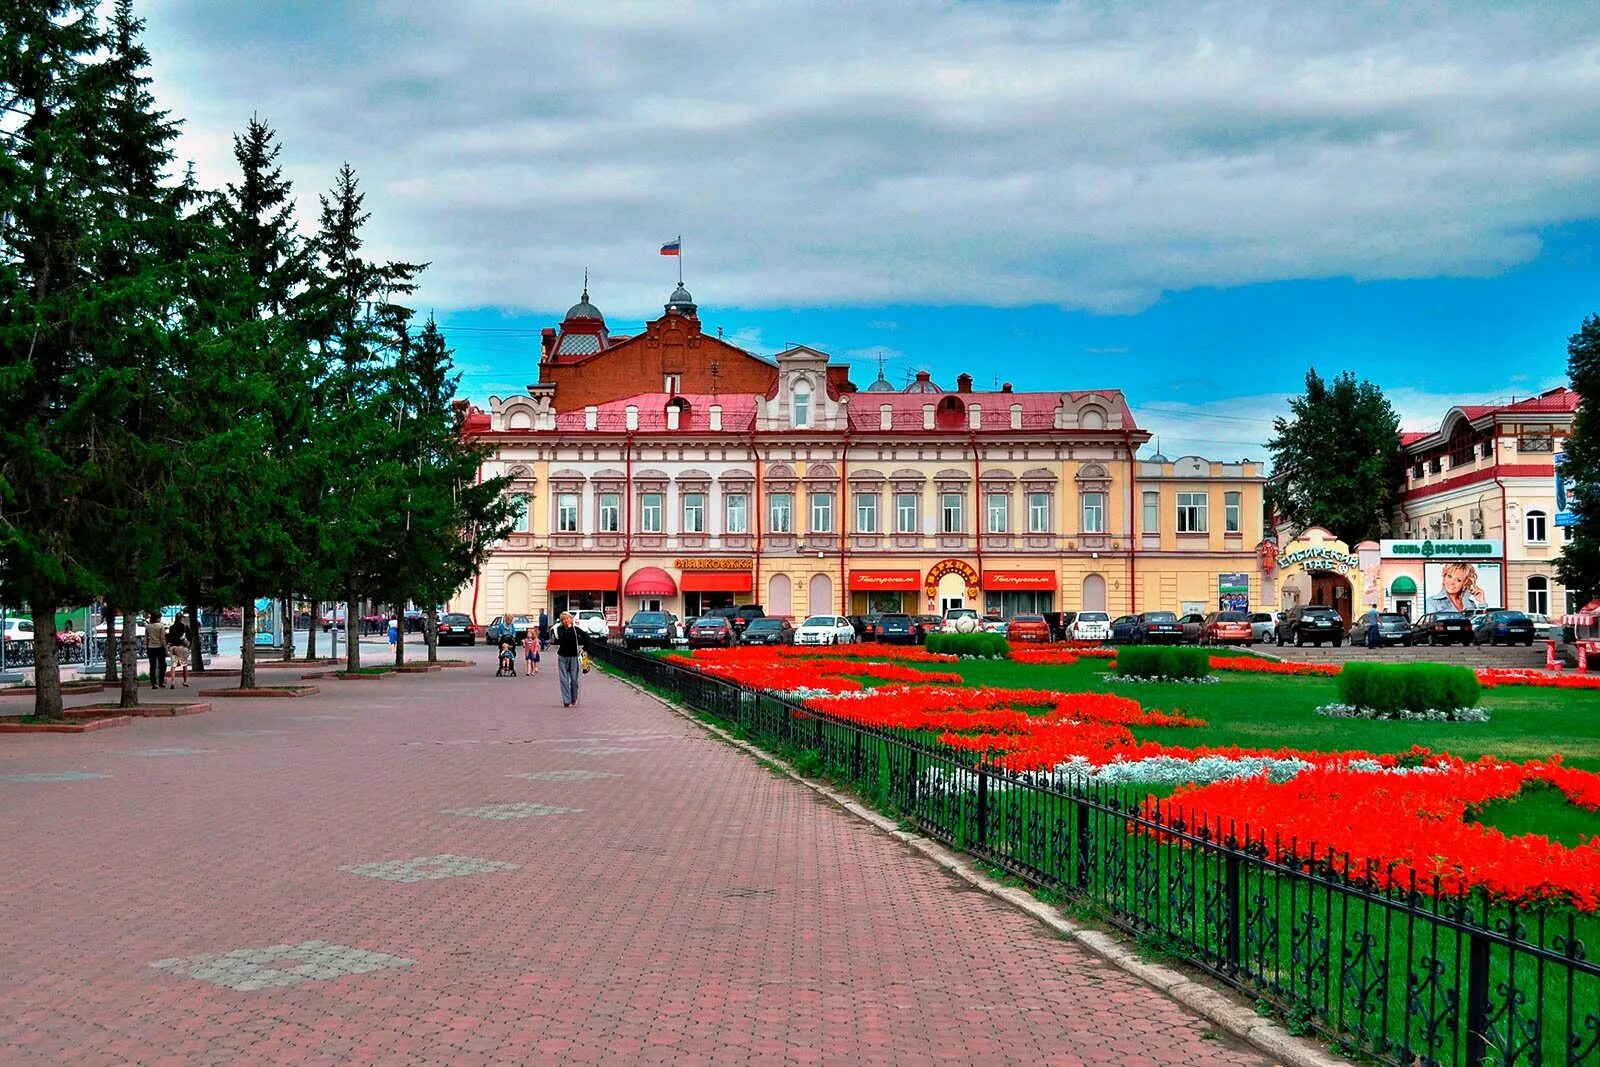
[(450, 868)]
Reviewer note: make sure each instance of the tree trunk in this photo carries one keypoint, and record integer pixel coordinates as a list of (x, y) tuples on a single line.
[(197, 654), (129, 654), (311, 631), (288, 627), (430, 631), (352, 632), (46, 671), (399, 637), (113, 666), (247, 643)]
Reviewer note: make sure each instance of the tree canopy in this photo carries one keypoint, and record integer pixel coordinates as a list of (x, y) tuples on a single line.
[(1579, 564)]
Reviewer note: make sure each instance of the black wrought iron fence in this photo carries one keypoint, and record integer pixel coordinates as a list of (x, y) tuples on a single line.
[(1414, 976), (91, 649)]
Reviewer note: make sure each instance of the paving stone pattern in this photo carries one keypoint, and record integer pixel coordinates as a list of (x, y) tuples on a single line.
[(303, 894)]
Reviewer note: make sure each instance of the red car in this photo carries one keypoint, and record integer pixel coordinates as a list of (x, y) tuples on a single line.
[(1227, 628), (1029, 628)]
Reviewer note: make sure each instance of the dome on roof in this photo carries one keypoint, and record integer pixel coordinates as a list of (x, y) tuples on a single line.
[(923, 384), (583, 309), (681, 301), (1157, 457), (881, 385)]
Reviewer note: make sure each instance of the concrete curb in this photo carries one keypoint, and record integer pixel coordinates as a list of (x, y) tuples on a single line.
[(1210, 1004)]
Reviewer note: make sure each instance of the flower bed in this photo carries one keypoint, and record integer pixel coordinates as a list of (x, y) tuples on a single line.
[(1351, 711)]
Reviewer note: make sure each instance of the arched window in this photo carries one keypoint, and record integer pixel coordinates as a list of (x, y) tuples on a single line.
[(1533, 528), (802, 405), (779, 591), (951, 414), (821, 595), (1538, 595)]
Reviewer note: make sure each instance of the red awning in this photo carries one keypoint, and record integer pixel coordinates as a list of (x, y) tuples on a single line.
[(650, 581), (716, 582), (580, 581), (1001, 581), (1586, 617), (873, 580)]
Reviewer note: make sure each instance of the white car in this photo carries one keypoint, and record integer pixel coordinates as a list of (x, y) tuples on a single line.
[(1090, 626), (1544, 627), (961, 621), (19, 630), (1264, 626), (593, 623), (825, 630)]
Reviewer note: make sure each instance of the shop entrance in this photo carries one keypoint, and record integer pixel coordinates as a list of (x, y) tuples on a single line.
[(1332, 590), (698, 604)]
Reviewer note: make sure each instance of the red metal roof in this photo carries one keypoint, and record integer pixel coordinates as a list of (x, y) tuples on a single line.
[(738, 412), (1038, 410)]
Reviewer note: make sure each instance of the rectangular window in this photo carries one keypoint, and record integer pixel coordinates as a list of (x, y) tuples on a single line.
[(672, 384), (1435, 465), (738, 513), (905, 513), (821, 512), (1152, 512), (1094, 513), (999, 513), (650, 513), (610, 512), (780, 507), (566, 512), (1232, 512), (519, 515), (802, 408), (951, 520), (1192, 516), (1416, 470), (1535, 528), (694, 513), (867, 513), (1038, 512)]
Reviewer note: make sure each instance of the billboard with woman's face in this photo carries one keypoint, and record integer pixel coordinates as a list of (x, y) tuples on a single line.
[(1460, 586)]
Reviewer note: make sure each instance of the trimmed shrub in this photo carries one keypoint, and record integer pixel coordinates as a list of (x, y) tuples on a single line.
[(974, 644), (1392, 687), (1149, 661)]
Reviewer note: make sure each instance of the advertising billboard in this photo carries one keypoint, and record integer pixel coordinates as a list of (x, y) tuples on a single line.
[(1565, 493), (1233, 591), (1460, 585)]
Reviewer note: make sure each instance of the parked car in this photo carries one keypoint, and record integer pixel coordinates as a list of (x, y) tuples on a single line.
[(896, 627), (1089, 626), (656, 628), (1122, 628), (1227, 628), (1393, 629), (711, 631), (1503, 628), (1150, 627), (1310, 622), (21, 630), (592, 621), (1029, 628), (516, 625), (744, 615), (330, 619), (1544, 627), (994, 624), (927, 624), (953, 621), (1264, 624), (825, 630), (1442, 628), (455, 628), (1060, 623), (1193, 623), (768, 631)]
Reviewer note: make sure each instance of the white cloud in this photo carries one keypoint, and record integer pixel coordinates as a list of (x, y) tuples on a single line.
[(825, 154)]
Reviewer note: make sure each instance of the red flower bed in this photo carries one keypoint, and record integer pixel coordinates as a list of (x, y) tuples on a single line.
[(1491, 677), (1046, 657), (1252, 665)]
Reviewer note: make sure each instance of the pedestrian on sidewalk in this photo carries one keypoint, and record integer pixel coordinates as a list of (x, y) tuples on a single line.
[(155, 647), (569, 663), (531, 647), (1374, 629), (544, 626), (178, 649)]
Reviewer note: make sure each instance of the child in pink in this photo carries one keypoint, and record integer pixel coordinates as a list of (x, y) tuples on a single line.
[(530, 650)]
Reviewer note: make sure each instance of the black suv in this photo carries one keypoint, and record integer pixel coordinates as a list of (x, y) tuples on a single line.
[(1311, 622)]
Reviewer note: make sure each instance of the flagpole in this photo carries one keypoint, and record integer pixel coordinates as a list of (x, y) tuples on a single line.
[(680, 260)]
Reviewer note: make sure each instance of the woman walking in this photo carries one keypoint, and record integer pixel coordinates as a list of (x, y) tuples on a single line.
[(178, 649), (569, 665)]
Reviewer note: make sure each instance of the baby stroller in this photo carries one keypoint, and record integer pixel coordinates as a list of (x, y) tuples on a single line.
[(508, 662)]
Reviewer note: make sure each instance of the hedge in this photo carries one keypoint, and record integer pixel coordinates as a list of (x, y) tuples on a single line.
[(1148, 661), (975, 644), (1391, 687)]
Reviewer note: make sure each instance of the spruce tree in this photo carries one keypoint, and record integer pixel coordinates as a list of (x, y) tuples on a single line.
[(1579, 564)]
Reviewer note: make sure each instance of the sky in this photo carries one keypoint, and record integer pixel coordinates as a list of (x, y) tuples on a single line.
[(1194, 202)]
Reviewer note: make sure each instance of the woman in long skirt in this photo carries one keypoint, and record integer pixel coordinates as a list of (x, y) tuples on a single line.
[(569, 640)]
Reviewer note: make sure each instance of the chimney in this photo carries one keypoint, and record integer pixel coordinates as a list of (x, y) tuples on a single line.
[(673, 411), (591, 417), (1006, 388), (630, 417), (716, 416), (963, 383), (547, 343)]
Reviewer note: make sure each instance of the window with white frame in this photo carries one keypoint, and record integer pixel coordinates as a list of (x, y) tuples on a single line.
[(738, 513), (694, 513), (566, 512), (1533, 526), (905, 513), (1152, 512), (1538, 595), (1094, 513), (672, 384), (650, 513), (1192, 516), (1038, 513), (780, 513), (867, 513), (610, 512), (1232, 512), (999, 513), (951, 520), (520, 512), (821, 512), (802, 405)]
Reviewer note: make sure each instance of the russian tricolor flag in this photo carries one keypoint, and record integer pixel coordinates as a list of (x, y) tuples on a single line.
[(673, 247)]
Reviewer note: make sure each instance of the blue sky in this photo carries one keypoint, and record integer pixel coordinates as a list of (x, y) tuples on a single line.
[(1193, 203)]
